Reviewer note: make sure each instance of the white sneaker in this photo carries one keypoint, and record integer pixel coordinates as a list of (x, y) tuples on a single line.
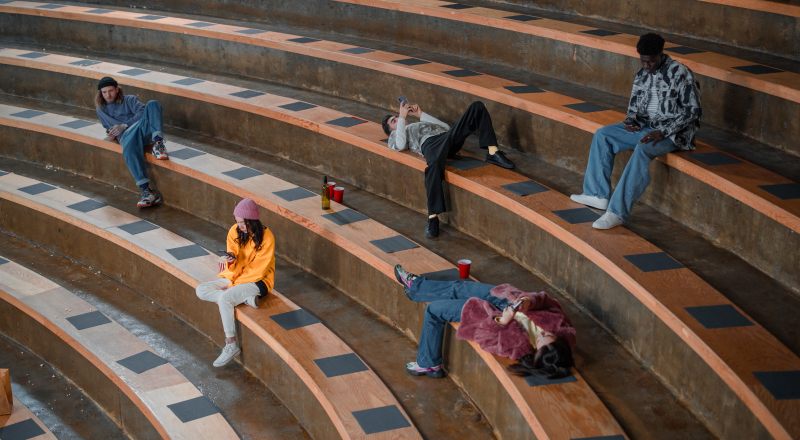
[(252, 302), (228, 353), (607, 221), (592, 201)]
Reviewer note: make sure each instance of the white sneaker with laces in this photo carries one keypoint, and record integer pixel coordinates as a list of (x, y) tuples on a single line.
[(591, 201), (228, 353), (252, 302), (607, 221)]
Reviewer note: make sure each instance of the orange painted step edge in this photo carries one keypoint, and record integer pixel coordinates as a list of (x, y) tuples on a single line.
[(587, 41), (86, 354), (359, 252), (763, 6)]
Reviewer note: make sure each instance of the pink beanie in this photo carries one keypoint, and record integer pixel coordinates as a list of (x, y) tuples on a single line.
[(247, 209)]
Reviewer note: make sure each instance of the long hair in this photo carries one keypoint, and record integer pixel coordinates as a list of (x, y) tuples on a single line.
[(552, 361), (255, 231), (99, 101)]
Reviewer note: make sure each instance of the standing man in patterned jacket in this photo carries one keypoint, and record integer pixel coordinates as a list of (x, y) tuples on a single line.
[(663, 116)]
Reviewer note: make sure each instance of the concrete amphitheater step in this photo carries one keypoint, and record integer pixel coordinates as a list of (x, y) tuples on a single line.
[(554, 48), (556, 132), (637, 415), (56, 402), (23, 422)]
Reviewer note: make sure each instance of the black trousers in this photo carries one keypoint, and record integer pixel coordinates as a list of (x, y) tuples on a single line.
[(443, 146)]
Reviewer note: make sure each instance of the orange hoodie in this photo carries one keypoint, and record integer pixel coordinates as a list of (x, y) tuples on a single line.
[(250, 265)]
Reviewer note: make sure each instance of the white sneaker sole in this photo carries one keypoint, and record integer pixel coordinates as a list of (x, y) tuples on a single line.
[(594, 202), (222, 363)]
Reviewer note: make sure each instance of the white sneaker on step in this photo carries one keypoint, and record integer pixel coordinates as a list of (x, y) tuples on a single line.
[(228, 353), (607, 221), (591, 201)]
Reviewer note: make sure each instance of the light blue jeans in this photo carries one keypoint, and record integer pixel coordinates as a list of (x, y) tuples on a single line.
[(142, 133), (607, 142)]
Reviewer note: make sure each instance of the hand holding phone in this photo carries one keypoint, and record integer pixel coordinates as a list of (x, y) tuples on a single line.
[(227, 256), (403, 101), (516, 304)]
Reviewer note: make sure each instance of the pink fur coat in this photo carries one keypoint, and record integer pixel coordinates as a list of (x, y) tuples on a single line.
[(511, 341)]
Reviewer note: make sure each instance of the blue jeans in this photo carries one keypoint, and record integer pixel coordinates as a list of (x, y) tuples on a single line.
[(446, 299), (137, 136), (607, 142)]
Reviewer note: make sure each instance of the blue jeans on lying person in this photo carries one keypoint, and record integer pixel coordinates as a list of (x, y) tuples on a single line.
[(446, 299), (606, 143), (142, 133)]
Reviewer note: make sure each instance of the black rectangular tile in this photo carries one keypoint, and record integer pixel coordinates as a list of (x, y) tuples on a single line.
[(48, 6), (411, 62), (247, 94), (84, 63), (346, 122), (586, 107), (34, 55), (188, 81), (457, 6), (186, 252), (243, 173), (387, 418), (357, 50), (37, 188), (138, 227), (200, 24), (294, 319), (88, 320), (193, 409), (523, 189), (86, 205), (534, 381), (444, 275), (134, 72), (340, 365), (683, 50), (758, 69), (600, 33), (721, 316), (466, 163), (3, 261), (297, 106), (144, 361), (783, 191), (99, 11), (250, 31), (461, 73), (3, 173), (21, 430), (654, 262), (77, 124), (394, 244), (303, 40), (524, 89), (783, 385), (577, 215), (714, 159), (150, 17), (602, 437), (385, 141), (345, 217), (522, 18), (290, 195), (185, 153), (27, 114)]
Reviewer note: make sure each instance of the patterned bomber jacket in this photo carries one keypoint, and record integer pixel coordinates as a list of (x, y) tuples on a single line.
[(679, 108)]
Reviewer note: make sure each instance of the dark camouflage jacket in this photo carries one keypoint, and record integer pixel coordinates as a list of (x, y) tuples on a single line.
[(679, 107)]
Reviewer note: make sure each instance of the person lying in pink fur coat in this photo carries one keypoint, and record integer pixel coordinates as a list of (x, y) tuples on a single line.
[(531, 328)]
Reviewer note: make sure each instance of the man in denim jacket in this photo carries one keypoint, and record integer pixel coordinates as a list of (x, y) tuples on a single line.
[(663, 116)]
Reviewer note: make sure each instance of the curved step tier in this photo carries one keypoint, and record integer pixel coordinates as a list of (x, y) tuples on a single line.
[(141, 391)]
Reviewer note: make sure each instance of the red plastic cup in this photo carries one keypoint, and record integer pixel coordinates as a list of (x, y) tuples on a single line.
[(331, 185), (338, 194), (463, 268), (223, 264)]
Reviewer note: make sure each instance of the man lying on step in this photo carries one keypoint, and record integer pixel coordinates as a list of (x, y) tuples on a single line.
[(134, 125), (437, 142)]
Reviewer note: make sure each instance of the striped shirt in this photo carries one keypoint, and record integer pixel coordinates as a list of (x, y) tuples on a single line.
[(652, 106)]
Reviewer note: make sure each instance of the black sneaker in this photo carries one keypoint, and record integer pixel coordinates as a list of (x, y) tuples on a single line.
[(149, 198), (500, 160), (433, 227), (404, 277)]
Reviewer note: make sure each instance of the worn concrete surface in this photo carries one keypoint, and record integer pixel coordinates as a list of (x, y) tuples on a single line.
[(66, 411)]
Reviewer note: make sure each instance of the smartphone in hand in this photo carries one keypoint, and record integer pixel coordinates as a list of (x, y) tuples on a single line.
[(225, 253), (515, 305), (402, 100)]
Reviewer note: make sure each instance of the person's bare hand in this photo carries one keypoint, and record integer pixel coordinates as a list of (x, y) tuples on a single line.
[(508, 315), (654, 136), (415, 111), (404, 109), (225, 287), (116, 131), (229, 258), (633, 127)]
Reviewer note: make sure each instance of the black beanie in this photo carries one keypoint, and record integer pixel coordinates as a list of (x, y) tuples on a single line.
[(107, 81)]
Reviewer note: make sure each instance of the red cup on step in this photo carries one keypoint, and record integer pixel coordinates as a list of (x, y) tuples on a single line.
[(463, 268), (338, 194), (223, 264), (331, 185)]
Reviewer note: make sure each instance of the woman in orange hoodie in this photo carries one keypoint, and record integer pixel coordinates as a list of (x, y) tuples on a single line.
[(250, 272)]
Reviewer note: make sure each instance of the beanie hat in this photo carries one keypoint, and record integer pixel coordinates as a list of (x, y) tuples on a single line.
[(247, 209), (107, 81)]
